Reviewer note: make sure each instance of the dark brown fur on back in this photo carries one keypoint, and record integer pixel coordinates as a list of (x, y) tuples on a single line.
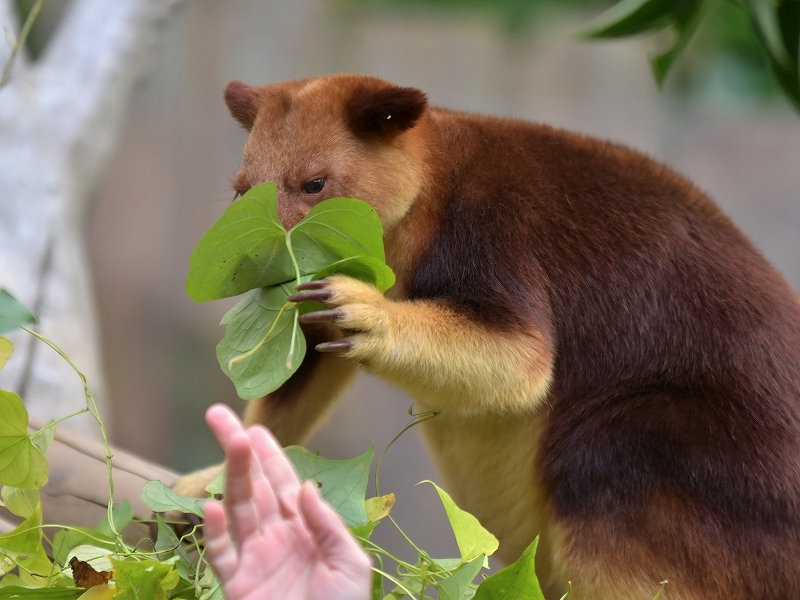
[(674, 414), (572, 295)]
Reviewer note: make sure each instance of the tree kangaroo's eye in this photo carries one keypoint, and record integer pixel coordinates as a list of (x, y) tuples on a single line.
[(314, 187)]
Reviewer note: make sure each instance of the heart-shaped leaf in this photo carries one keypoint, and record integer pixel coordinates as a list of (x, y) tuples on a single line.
[(22, 464), (12, 314)]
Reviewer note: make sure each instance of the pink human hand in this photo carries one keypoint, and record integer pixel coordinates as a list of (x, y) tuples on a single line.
[(275, 538)]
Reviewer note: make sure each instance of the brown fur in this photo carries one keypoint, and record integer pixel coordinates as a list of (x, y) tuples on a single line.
[(618, 369)]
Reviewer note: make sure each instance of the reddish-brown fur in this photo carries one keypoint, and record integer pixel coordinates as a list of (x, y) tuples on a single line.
[(667, 440)]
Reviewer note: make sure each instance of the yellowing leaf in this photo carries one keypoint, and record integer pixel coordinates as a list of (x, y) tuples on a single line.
[(379, 507), (472, 539), (22, 464), (99, 592), (6, 350), (20, 502)]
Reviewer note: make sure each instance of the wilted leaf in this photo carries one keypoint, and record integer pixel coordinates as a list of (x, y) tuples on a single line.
[(472, 539), (517, 581), (6, 350), (67, 542), (22, 464), (85, 576), (159, 498), (343, 483), (13, 315)]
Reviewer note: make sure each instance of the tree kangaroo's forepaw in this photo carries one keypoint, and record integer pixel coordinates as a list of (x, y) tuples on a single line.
[(359, 310)]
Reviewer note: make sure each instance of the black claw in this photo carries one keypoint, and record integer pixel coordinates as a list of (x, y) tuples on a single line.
[(322, 316), (313, 295), (313, 285), (337, 346)]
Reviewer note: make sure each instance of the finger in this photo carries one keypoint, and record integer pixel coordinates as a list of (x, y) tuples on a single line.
[(219, 546), (277, 469), (338, 547), (242, 513), (322, 316)]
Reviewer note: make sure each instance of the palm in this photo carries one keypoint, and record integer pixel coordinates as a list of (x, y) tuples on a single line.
[(284, 542)]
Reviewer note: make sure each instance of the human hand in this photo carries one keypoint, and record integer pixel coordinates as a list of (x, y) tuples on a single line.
[(273, 537)]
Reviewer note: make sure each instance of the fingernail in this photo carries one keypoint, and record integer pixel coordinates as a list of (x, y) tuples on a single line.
[(337, 346), (322, 316)]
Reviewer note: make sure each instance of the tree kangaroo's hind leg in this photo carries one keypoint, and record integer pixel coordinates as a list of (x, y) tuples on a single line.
[(292, 411)]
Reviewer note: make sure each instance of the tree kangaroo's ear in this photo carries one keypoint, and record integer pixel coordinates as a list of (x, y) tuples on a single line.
[(383, 111), (242, 103)]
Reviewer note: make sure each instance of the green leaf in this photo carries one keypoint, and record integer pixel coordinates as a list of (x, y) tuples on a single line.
[(67, 540), (20, 502), (23, 542), (255, 366), (630, 17), (159, 498), (245, 249), (13, 592), (122, 514), (217, 485), (364, 268), (788, 74), (343, 483), (13, 315), (44, 437), (685, 25), (472, 539), (517, 581), (6, 350), (22, 464), (335, 229), (143, 579), (168, 542), (459, 584)]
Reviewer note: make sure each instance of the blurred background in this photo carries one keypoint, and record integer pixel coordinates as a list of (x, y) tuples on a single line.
[(719, 121)]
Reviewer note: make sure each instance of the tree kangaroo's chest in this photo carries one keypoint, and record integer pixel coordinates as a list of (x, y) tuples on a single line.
[(487, 464)]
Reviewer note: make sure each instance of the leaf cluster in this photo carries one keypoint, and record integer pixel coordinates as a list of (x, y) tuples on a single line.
[(248, 251), (776, 24)]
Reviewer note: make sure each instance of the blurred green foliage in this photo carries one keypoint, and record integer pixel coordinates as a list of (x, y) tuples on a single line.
[(747, 47)]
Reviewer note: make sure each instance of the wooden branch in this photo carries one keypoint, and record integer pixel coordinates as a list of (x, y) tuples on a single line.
[(77, 492)]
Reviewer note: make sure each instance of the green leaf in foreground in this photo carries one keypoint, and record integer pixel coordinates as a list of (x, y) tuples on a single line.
[(364, 268), (159, 498), (14, 592), (471, 537), (343, 483), (140, 579), (21, 503), (458, 585), (13, 315), (22, 464), (245, 249), (517, 581), (261, 332), (6, 350), (23, 542), (248, 248)]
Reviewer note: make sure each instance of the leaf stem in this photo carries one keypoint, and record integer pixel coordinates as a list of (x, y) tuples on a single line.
[(290, 356), (237, 359), (91, 407), (23, 36)]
